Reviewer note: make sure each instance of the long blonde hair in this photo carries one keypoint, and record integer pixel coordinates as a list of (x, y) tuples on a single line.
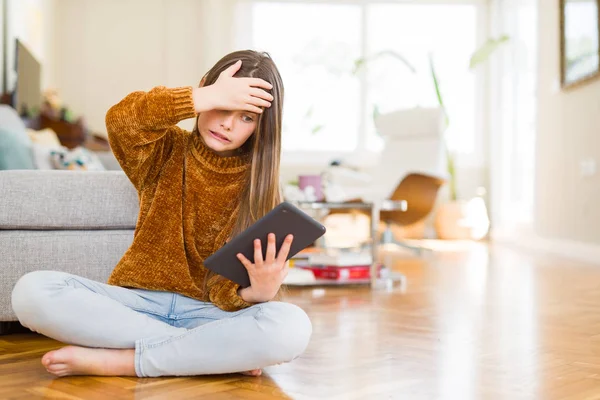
[(262, 192)]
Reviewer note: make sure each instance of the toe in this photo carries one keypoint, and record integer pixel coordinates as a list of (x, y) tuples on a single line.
[(62, 372), (56, 356), (56, 367), (48, 358), (62, 355)]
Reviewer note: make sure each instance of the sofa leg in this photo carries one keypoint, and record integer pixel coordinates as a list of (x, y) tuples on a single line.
[(10, 327)]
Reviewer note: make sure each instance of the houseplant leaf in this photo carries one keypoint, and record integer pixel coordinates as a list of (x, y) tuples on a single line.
[(483, 53), (451, 167)]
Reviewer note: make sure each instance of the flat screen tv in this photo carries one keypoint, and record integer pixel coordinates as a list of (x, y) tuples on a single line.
[(28, 92)]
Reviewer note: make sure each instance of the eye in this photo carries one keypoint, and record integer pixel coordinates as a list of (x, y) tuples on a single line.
[(247, 118)]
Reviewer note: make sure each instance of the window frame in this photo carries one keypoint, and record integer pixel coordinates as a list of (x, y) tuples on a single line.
[(362, 157)]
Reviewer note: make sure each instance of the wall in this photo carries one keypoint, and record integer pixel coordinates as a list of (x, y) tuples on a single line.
[(110, 48), (2, 22), (566, 203)]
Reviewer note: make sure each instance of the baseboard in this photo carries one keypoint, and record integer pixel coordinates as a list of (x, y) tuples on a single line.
[(585, 252)]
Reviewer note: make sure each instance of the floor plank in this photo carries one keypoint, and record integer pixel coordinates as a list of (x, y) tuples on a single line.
[(476, 323)]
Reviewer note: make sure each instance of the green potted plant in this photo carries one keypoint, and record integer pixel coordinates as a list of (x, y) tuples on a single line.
[(478, 57), (455, 218)]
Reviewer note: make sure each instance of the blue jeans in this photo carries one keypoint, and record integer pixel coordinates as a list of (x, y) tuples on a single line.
[(173, 335)]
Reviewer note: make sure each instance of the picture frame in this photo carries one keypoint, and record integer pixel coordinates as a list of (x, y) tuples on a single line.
[(579, 41)]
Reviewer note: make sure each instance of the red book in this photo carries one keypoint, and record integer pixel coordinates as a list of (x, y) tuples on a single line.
[(355, 272)]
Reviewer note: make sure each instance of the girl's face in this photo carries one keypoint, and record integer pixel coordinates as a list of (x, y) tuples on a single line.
[(226, 131)]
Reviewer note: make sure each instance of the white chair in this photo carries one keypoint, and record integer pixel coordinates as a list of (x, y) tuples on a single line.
[(414, 143), (414, 149)]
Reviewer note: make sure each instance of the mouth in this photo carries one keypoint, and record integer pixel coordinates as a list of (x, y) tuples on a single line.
[(219, 137)]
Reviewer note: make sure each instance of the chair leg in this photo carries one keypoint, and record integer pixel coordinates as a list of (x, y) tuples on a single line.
[(388, 237), (416, 249)]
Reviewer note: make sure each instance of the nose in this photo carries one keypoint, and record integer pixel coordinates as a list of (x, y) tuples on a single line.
[(227, 120)]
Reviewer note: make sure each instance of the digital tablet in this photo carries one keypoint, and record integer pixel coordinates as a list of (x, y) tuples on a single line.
[(283, 220)]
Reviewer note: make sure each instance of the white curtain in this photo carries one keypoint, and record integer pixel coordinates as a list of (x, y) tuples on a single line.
[(513, 116)]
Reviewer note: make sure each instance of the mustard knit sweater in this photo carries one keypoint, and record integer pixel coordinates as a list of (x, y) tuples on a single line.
[(188, 197)]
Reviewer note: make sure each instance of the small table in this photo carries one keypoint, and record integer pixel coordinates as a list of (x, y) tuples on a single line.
[(375, 208)]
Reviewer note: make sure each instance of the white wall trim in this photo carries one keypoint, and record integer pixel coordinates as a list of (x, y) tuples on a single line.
[(570, 249)]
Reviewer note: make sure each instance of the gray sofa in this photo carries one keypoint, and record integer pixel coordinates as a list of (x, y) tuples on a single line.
[(80, 222)]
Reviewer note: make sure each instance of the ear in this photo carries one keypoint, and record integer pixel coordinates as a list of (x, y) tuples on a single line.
[(202, 81)]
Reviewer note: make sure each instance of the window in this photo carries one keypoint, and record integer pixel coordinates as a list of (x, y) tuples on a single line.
[(328, 106), (448, 33), (321, 95)]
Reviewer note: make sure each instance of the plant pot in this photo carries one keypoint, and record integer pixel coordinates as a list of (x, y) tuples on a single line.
[(462, 220)]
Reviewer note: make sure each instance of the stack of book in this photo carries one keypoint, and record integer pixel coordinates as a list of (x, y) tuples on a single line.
[(336, 266), (297, 275)]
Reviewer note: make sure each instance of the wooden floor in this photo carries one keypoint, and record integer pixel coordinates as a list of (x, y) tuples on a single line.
[(474, 323)]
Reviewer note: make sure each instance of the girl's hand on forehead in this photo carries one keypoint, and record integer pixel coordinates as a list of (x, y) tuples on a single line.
[(233, 94)]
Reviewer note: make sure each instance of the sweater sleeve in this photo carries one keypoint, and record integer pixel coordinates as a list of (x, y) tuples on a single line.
[(138, 129), (223, 293)]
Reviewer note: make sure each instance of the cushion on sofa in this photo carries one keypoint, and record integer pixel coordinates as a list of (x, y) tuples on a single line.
[(15, 145), (44, 137), (15, 150), (79, 158), (41, 155), (57, 199)]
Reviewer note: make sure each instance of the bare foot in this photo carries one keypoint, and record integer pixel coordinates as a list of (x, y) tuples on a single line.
[(75, 360), (254, 372)]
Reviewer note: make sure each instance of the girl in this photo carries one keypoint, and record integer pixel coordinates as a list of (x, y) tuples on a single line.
[(162, 313)]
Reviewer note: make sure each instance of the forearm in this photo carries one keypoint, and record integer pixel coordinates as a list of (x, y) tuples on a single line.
[(138, 129), (156, 110)]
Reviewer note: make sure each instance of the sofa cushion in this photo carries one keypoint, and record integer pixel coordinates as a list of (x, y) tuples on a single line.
[(15, 145), (78, 158), (41, 155), (44, 137), (15, 150), (57, 199)]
